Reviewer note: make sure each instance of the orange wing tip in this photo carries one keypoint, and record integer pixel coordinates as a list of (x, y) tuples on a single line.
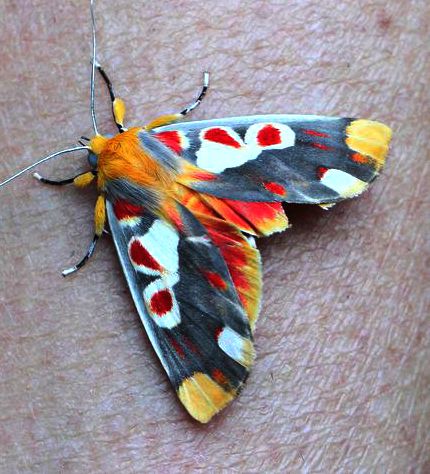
[(202, 397), (370, 139)]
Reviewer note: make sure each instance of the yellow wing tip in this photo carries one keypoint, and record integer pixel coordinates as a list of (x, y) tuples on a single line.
[(202, 397), (370, 139)]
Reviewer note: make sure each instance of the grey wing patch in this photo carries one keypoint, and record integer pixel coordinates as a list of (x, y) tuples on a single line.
[(158, 150)]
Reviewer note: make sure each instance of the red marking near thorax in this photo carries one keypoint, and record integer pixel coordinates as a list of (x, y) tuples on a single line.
[(140, 256), (161, 302), (171, 139), (269, 135), (125, 210), (218, 135)]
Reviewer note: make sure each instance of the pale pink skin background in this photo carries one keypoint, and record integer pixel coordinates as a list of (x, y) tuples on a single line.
[(341, 382)]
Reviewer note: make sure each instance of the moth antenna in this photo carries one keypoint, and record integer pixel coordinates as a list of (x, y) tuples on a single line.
[(93, 69), (39, 162)]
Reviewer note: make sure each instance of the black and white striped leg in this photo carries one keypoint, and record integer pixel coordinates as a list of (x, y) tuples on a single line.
[(53, 182), (116, 102), (87, 256), (200, 97), (80, 180), (99, 224)]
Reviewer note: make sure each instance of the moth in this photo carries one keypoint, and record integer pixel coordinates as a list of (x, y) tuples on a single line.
[(184, 201)]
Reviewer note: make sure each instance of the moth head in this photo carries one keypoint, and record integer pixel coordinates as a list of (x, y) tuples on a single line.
[(92, 159)]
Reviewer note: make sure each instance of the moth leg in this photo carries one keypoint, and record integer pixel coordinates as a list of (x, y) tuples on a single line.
[(80, 180), (99, 224), (118, 106), (171, 118)]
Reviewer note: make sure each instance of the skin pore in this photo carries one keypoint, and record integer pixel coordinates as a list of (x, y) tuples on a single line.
[(340, 382)]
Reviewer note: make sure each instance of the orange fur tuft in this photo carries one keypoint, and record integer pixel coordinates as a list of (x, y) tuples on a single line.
[(122, 156)]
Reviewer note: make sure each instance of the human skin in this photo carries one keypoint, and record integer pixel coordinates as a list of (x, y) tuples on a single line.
[(340, 383)]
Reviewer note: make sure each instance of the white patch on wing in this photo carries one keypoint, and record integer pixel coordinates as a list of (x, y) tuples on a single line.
[(160, 302), (343, 183), (156, 252), (200, 239), (222, 147), (237, 347), (184, 140)]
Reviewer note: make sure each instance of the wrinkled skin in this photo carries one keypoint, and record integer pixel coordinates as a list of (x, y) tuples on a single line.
[(342, 375)]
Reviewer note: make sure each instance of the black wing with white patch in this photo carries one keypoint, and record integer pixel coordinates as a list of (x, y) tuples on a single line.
[(188, 304), (291, 158)]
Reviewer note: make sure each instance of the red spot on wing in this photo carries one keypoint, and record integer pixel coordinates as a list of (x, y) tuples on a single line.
[(161, 302), (269, 135), (171, 139), (178, 348), (359, 158), (126, 210), (190, 345), (321, 171), (140, 256), (219, 377), (218, 332), (219, 135), (320, 146), (275, 188), (215, 280), (314, 133)]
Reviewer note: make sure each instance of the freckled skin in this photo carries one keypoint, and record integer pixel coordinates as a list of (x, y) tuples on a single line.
[(343, 337)]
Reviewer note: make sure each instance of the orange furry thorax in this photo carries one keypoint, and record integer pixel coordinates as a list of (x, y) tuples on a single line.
[(123, 157)]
